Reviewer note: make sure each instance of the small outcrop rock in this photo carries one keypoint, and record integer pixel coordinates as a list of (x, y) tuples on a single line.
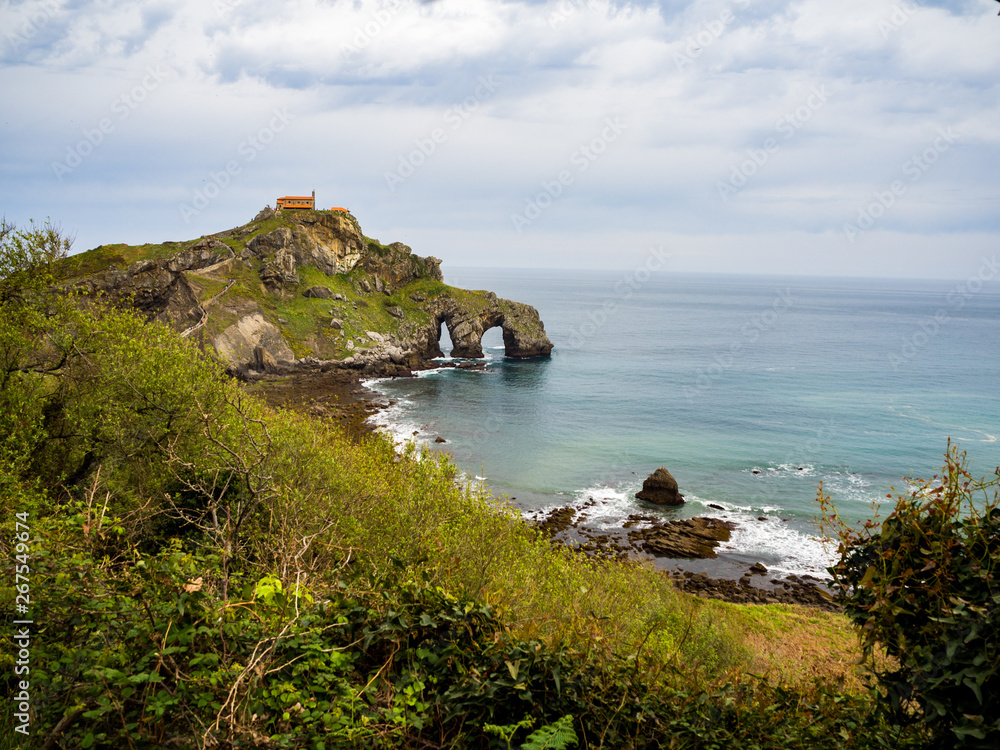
[(660, 488), (318, 292), (689, 538)]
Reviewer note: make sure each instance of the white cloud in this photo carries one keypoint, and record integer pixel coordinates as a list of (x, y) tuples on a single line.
[(702, 86)]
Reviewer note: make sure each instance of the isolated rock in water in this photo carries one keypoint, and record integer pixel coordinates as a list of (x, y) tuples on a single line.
[(660, 488)]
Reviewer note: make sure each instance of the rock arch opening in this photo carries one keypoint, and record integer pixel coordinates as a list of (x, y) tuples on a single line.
[(444, 342), (463, 333)]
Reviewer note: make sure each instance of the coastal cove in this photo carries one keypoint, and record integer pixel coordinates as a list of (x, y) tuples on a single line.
[(751, 390)]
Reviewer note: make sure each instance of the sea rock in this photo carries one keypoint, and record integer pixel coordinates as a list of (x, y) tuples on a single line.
[(689, 538), (660, 488), (524, 334)]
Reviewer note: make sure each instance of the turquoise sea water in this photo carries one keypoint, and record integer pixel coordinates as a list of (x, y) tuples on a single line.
[(750, 390)]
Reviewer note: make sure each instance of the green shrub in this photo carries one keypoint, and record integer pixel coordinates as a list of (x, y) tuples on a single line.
[(923, 585)]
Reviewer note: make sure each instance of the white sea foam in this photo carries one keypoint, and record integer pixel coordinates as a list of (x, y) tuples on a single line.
[(782, 548), (756, 510), (394, 419), (606, 506), (400, 431), (781, 470)]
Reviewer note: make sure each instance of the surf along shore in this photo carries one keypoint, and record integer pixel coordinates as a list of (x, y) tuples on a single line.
[(340, 396)]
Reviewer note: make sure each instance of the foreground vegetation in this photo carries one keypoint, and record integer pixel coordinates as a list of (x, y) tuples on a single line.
[(208, 572)]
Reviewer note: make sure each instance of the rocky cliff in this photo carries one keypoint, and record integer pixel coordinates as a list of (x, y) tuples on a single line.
[(299, 290)]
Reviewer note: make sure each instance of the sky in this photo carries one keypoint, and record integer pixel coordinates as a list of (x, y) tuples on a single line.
[(850, 138)]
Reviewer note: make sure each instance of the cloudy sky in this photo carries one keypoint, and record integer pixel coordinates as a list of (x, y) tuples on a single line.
[(857, 137)]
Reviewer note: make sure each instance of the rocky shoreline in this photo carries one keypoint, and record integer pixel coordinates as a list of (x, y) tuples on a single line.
[(686, 539), (340, 396)]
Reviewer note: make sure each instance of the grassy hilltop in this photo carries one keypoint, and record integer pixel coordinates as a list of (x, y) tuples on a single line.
[(303, 284)]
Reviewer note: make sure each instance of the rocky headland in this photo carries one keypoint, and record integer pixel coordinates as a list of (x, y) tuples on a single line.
[(299, 291), (301, 305)]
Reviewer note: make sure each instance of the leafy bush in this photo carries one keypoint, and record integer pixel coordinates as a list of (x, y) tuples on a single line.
[(923, 585)]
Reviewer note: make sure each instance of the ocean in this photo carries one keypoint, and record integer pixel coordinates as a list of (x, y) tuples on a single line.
[(750, 390)]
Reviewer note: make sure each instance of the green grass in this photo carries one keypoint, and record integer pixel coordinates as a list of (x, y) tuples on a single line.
[(206, 287), (104, 257)]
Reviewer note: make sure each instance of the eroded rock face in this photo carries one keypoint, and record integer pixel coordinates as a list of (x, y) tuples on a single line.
[(523, 331), (254, 341), (660, 488), (159, 288), (331, 242)]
